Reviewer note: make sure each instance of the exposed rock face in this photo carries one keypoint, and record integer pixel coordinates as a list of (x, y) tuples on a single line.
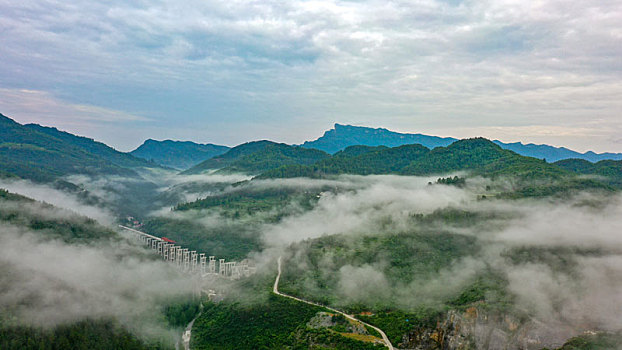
[(479, 329), (326, 320), (320, 320)]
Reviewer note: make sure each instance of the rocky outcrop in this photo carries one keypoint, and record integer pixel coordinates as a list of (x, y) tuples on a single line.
[(477, 328)]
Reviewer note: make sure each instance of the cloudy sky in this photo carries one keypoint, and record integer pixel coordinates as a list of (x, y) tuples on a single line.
[(120, 71)]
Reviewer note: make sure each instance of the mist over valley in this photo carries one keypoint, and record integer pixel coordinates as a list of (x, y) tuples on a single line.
[(311, 174), (466, 245)]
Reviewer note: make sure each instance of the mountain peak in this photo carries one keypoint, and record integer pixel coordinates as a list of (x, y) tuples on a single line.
[(342, 136), (475, 142), (177, 154)]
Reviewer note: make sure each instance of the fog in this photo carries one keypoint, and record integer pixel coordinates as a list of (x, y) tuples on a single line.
[(584, 295), (575, 285), (370, 203), (571, 277), (48, 282), (58, 198)]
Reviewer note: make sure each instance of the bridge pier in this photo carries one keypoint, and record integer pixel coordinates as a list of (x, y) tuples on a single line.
[(212, 265), (186, 260), (165, 251), (221, 267), (193, 261), (179, 256), (203, 264)]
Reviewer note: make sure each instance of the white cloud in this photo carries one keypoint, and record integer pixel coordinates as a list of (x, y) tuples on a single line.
[(57, 198)]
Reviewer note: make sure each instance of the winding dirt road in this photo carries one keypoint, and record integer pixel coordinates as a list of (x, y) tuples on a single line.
[(276, 291)]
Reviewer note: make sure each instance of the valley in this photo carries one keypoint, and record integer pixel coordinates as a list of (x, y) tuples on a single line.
[(465, 245), (310, 175)]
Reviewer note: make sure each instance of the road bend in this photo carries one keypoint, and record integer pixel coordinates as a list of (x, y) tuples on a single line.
[(276, 291)]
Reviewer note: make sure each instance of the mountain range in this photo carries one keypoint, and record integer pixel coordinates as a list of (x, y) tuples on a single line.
[(477, 155), (44, 153), (342, 136)]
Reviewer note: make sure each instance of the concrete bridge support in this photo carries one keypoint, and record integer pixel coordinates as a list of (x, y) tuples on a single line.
[(186, 260), (179, 256), (203, 264), (165, 251), (212, 265), (194, 261)]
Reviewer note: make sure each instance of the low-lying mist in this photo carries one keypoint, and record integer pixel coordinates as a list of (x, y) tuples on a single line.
[(58, 198), (48, 282), (559, 258)]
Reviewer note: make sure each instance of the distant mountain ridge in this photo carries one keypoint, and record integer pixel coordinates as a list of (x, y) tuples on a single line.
[(554, 154), (177, 154), (342, 136)]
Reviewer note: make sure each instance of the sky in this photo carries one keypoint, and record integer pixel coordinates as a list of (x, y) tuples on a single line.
[(226, 72)]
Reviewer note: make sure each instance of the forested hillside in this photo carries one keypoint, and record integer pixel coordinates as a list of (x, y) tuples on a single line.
[(609, 169), (256, 157), (478, 156), (44, 154), (83, 335), (93, 147), (26, 213), (482, 157)]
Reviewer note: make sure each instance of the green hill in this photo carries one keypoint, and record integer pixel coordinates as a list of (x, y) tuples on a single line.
[(91, 146), (575, 165), (177, 154), (478, 155), (482, 157), (228, 157), (40, 217), (259, 156), (610, 169), (357, 150), (354, 160), (382, 161), (44, 154)]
